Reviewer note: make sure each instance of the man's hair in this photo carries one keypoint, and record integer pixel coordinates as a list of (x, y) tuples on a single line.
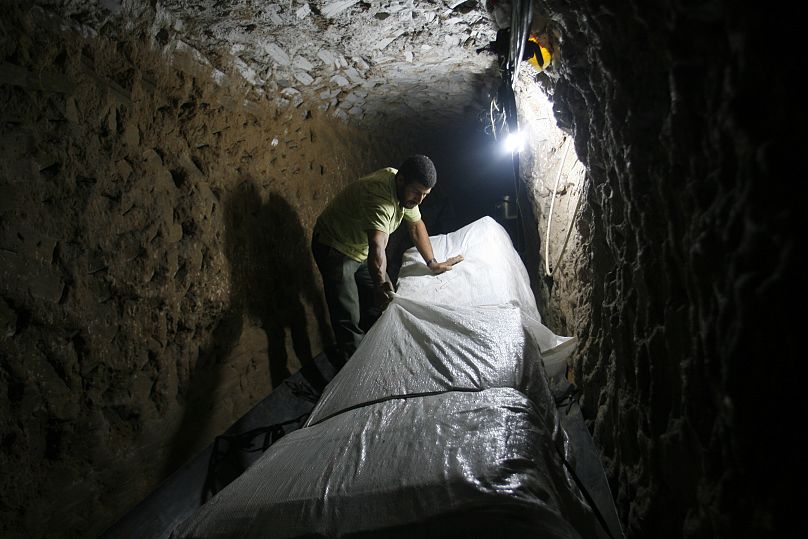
[(419, 168)]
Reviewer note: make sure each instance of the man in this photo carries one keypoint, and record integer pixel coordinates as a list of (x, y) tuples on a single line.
[(351, 235)]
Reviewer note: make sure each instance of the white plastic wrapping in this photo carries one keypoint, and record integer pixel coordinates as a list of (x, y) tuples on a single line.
[(455, 464), (416, 349), (441, 424), (491, 274), (450, 331)]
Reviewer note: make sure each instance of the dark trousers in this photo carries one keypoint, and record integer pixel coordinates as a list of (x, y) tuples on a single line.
[(348, 293)]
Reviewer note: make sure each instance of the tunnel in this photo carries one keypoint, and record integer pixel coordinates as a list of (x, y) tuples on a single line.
[(163, 165)]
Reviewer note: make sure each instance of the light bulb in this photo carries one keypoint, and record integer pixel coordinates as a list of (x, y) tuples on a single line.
[(514, 142)]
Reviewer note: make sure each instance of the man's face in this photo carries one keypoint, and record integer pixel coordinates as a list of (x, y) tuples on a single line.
[(411, 194)]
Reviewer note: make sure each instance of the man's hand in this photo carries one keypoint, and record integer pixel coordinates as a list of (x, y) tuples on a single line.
[(383, 294), (440, 267)]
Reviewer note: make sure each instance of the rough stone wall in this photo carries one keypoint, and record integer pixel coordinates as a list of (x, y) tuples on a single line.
[(155, 276), (685, 277)]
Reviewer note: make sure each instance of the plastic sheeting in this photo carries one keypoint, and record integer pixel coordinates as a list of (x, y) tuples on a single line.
[(449, 331), (420, 349), (456, 463), (491, 274), (441, 422)]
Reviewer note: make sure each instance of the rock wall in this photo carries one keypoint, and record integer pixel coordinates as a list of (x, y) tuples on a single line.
[(685, 271), (551, 192), (155, 279), (155, 275)]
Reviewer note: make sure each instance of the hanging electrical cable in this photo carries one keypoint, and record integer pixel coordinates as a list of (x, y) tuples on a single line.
[(502, 108), (500, 118), (521, 18)]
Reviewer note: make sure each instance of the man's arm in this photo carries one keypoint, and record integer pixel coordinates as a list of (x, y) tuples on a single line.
[(420, 237), (377, 266)]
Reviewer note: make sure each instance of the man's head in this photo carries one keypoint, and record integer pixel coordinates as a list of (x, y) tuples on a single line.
[(415, 179)]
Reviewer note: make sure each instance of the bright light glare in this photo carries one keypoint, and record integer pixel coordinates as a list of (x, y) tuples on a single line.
[(514, 142)]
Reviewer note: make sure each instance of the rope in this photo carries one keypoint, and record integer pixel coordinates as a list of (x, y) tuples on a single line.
[(550, 216), (569, 226)]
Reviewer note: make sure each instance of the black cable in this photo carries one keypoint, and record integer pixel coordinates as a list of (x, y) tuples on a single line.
[(399, 397), (571, 396), (521, 19), (585, 492)]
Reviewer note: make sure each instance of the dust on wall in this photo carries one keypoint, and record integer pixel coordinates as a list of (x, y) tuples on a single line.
[(155, 278)]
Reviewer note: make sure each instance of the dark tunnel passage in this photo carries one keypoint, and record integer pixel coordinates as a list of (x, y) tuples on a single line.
[(162, 167)]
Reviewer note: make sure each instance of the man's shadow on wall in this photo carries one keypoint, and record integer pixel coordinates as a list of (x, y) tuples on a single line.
[(271, 273)]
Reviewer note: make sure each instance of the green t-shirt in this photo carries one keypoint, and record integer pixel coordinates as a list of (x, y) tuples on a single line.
[(369, 203)]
